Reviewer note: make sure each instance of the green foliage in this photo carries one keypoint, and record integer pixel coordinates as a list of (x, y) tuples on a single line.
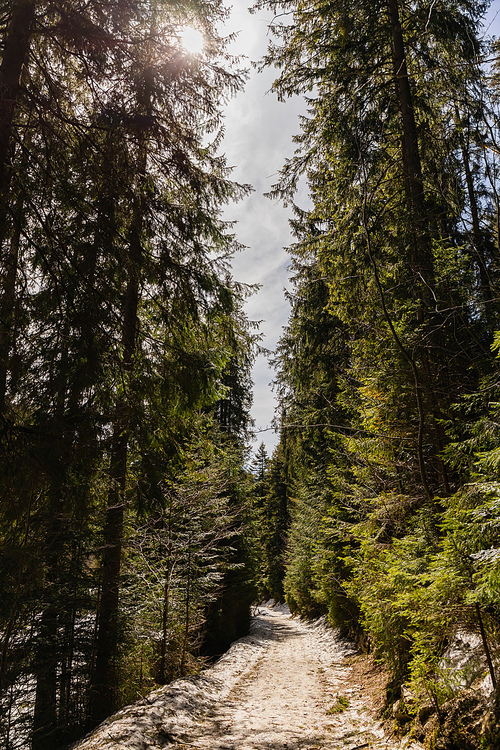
[(385, 374), (178, 556), (275, 523), (299, 582), (122, 344), (340, 705)]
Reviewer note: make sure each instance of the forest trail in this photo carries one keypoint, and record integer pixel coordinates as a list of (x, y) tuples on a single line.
[(279, 688)]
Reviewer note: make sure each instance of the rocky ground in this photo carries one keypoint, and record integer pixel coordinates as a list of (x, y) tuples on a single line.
[(288, 685)]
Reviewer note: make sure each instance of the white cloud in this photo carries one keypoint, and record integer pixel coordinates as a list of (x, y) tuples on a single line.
[(259, 132)]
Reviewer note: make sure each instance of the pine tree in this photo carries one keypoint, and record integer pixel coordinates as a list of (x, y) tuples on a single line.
[(119, 318), (275, 522), (385, 222), (400, 238)]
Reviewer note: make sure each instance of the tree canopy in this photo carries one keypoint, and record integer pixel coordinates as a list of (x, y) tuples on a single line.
[(135, 529), (125, 355), (387, 369)]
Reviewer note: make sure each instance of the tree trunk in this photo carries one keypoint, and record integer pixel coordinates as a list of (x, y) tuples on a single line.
[(7, 307), (486, 646), (48, 643), (162, 678), (104, 678), (14, 613), (104, 682), (66, 681), (187, 609), (15, 53), (477, 238), (421, 257), (45, 715)]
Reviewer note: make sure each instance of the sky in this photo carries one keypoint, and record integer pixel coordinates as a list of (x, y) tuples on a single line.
[(259, 132)]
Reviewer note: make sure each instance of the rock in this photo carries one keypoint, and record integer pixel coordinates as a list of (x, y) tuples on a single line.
[(425, 712), (458, 726), (407, 695), (490, 730), (400, 712)]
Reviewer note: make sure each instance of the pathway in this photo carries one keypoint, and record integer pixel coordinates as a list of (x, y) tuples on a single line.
[(289, 685)]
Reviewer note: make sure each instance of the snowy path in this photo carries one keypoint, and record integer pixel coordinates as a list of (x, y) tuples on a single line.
[(273, 690)]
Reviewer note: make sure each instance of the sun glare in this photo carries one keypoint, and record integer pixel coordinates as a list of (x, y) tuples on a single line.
[(192, 40)]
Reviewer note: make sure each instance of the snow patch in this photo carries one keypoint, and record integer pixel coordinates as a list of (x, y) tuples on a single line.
[(273, 688)]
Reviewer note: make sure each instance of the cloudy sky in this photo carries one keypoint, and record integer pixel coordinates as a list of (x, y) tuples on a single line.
[(259, 132)]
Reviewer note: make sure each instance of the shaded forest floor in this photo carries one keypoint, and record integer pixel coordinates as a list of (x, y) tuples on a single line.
[(287, 685)]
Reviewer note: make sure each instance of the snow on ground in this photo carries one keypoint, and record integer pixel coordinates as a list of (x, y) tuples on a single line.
[(288, 685)]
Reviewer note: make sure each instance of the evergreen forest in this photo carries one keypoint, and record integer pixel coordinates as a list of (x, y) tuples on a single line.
[(136, 528)]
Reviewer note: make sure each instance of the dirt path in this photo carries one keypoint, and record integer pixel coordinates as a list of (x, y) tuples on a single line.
[(289, 685), (291, 696)]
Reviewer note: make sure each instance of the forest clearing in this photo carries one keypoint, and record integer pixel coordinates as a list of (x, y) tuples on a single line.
[(288, 684)]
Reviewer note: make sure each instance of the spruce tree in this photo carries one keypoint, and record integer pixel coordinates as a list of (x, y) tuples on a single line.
[(401, 237), (119, 320)]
